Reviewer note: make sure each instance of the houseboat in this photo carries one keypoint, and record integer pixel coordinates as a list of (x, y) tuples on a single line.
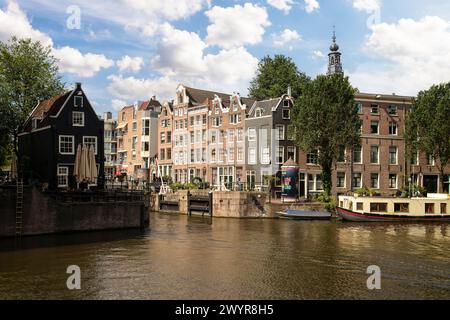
[(376, 209)]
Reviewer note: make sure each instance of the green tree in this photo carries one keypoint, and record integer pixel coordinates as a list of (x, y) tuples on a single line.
[(274, 76), (325, 119), (428, 126), (28, 74)]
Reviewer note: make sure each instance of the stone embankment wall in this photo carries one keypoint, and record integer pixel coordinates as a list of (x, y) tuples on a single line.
[(228, 204), (44, 215)]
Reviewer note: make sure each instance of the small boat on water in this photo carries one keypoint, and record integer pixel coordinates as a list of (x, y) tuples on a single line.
[(378, 209), (304, 215)]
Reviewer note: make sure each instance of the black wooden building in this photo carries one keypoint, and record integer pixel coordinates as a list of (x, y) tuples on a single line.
[(49, 138)]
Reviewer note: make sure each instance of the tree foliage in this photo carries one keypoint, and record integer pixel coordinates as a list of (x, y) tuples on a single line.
[(274, 76), (428, 126), (324, 118), (28, 74)]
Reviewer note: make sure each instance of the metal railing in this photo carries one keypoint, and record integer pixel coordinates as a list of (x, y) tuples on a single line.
[(97, 196)]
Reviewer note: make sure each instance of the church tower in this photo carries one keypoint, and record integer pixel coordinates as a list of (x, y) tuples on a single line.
[(334, 58)]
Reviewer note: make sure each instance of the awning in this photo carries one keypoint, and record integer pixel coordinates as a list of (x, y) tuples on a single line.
[(122, 125)]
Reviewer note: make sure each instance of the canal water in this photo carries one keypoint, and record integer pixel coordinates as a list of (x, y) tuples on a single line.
[(195, 258)]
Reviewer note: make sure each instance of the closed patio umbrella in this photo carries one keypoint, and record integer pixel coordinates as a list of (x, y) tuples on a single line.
[(92, 165), (77, 168), (84, 164)]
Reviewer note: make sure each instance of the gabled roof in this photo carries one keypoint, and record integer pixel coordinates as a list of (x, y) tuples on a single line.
[(145, 105), (199, 96), (50, 106), (266, 105)]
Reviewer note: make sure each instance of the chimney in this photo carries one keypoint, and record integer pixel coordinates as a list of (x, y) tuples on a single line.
[(107, 116), (289, 91), (153, 98), (78, 85)]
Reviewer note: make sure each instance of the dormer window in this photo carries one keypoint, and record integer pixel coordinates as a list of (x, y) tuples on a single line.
[(392, 110), (34, 123), (286, 104), (78, 102), (258, 113)]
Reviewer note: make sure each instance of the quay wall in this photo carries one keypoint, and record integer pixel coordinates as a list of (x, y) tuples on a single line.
[(227, 204), (44, 215)]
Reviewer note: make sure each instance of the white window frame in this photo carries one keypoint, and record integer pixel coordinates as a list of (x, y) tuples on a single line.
[(96, 142), (396, 155), (265, 155), (65, 174), (378, 180), (378, 127), (277, 155), (279, 136), (82, 118), (337, 179), (75, 103), (393, 124), (361, 156), (73, 144), (396, 181), (378, 154), (251, 137), (360, 180), (252, 155), (295, 152), (288, 111)]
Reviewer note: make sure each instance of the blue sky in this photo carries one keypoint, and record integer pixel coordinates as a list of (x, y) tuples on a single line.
[(399, 46)]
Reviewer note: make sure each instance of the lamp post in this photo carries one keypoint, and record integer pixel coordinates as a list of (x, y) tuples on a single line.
[(409, 185)]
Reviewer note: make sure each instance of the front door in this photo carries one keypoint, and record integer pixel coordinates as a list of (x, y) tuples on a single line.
[(430, 182)]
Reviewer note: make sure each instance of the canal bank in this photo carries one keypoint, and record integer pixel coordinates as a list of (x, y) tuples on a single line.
[(224, 204), (49, 213), (202, 258)]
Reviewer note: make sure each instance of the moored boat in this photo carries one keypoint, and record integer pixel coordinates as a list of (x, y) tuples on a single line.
[(377, 209), (304, 215)]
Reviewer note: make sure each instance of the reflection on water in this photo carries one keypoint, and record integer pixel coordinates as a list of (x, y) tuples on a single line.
[(200, 258)]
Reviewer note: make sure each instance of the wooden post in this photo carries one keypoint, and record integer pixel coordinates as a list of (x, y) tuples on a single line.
[(210, 195), (188, 196)]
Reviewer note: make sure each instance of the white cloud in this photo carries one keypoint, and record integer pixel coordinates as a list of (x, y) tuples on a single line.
[(117, 104), (130, 64), (168, 9), (83, 65), (236, 26), (410, 56), (311, 5), (133, 89), (142, 15), (318, 55), (287, 36), (234, 67), (179, 52), (283, 5), (14, 22), (367, 5)]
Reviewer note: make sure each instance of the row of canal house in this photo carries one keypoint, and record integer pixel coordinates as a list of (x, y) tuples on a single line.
[(223, 139)]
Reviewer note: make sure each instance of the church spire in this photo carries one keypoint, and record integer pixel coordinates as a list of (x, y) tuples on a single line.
[(334, 58)]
